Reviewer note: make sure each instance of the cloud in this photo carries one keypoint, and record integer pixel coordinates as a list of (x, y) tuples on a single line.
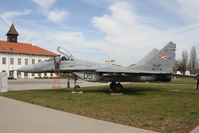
[(189, 9), (74, 42), (127, 39), (8, 17), (128, 36), (44, 4), (100, 3), (125, 33), (74, 39), (186, 9), (57, 16)]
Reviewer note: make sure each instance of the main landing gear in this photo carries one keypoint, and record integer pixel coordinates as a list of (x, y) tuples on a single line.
[(116, 87)]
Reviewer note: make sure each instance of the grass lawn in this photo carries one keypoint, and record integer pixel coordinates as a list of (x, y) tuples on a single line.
[(167, 107)]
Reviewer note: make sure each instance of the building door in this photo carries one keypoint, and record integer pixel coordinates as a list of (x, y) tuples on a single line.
[(11, 73), (19, 74)]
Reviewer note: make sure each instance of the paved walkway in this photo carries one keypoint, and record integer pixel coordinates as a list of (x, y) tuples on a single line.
[(21, 117), (195, 130)]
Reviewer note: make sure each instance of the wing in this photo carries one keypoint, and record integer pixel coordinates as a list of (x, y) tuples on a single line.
[(127, 71)]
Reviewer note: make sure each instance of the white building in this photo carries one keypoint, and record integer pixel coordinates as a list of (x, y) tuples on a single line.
[(14, 55), (111, 62)]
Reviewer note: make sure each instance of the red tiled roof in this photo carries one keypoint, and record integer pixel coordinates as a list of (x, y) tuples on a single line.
[(24, 48)]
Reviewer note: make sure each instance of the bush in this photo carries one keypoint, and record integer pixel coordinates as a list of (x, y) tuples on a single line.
[(11, 78)]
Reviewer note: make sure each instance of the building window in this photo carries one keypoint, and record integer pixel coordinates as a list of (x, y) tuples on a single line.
[(4, 60), (26, 74), (33, 61), (19, 61), (45, 74), (39, 74), (26, 61), (3, 71), (51, 74), (39, 60), (33, 74), (11, 61)]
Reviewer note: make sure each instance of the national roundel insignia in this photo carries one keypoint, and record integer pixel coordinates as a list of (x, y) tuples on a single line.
[(163, 57)]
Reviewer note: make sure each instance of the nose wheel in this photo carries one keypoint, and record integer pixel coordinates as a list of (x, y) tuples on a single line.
[(77, 88), (116, 87)]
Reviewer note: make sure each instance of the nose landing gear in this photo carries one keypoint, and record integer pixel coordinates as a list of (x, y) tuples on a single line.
[(77, 89)]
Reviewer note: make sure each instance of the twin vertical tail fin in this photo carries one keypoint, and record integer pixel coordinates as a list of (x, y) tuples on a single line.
[(159, 61)]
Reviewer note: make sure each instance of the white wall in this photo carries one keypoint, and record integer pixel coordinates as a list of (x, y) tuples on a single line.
[(9, 67)]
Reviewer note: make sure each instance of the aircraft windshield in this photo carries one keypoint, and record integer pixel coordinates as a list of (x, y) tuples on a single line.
[(63, 58)]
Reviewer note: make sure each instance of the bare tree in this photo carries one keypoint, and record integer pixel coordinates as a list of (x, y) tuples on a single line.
[(177, 66), (193, 58), (197, 64), (184, 61)]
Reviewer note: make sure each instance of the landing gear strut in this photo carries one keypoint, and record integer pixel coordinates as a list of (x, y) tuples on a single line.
[(116, 87), (76, 87)]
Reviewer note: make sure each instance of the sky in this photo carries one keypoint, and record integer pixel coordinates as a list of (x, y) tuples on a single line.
[(99, 30)]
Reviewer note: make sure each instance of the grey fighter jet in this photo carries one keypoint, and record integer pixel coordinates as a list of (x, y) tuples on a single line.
[(155, 66)]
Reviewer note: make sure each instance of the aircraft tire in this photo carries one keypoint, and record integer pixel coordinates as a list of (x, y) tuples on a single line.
[(112, 85), (118, 88), (77, 88)]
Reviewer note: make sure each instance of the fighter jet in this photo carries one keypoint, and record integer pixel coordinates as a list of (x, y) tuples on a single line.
[(157, 65)]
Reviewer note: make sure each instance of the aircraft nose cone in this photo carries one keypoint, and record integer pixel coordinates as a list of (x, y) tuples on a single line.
[(28, 68)]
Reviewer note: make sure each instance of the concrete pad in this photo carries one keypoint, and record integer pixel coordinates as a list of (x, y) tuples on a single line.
[(117, 94), (21, 117), (195, 130), (77, 92)]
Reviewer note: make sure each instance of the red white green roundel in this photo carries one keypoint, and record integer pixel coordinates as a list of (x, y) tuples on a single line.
[(163, 57)]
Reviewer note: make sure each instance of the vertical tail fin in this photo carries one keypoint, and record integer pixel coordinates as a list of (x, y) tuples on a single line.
[(163, 61), (147, 57)]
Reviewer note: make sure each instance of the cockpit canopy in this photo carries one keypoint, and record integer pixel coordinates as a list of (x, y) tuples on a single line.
[(67, 56)]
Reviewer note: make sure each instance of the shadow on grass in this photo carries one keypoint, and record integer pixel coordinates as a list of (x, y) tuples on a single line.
[(106, 90), (140, 90)]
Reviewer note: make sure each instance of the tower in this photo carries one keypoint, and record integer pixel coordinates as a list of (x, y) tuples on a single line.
[(12, 34)]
